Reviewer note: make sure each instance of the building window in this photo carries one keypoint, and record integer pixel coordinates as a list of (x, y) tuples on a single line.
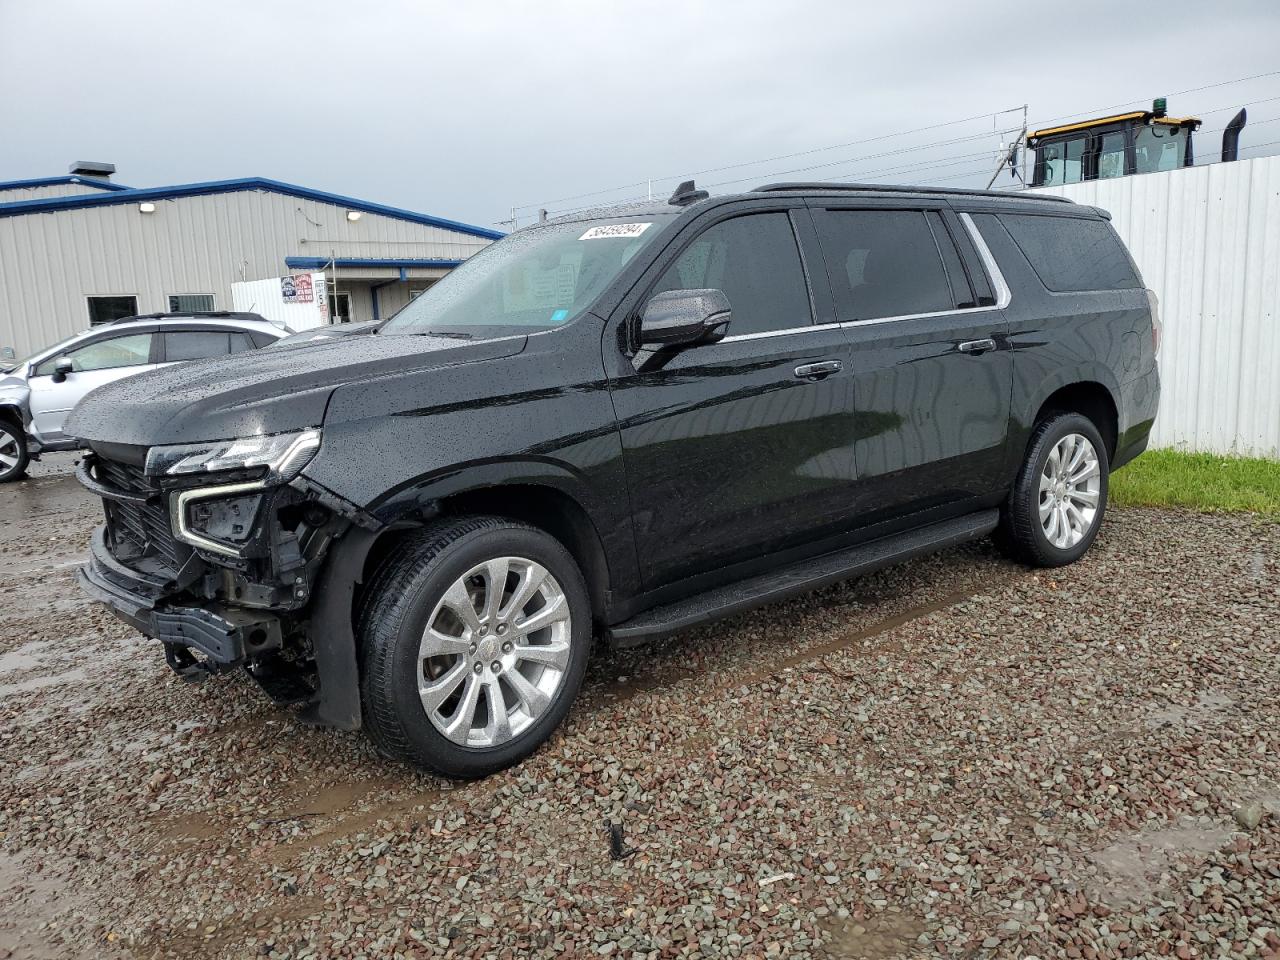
[(107, 309), (190, 303)]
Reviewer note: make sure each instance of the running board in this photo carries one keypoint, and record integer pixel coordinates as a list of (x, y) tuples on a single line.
[(799, 578)]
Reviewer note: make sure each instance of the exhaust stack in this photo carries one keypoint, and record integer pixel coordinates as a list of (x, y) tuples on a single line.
[(1231, 136)]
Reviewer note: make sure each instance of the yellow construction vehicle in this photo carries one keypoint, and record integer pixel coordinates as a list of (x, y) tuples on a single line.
[(1141, 141)]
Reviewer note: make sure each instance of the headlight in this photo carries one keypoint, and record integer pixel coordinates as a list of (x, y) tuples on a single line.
[(283, 454)]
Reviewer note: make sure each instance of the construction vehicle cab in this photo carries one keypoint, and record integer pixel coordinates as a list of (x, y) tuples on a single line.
[(1141, 141)]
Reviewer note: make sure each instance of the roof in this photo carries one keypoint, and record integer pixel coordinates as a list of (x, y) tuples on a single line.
[(56, 181), (319, 263), (652, 208), (117, 195), (1143, 115)]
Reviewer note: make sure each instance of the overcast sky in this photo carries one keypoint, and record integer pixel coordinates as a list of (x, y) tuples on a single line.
[(467, 109)]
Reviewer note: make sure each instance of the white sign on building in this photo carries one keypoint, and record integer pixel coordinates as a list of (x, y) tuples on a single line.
[(299, 301)]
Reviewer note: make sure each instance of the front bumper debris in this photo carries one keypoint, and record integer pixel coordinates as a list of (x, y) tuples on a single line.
[(198, 640)]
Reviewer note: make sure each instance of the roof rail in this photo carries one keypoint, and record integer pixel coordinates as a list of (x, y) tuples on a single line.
[(188, 315), (896, 188)]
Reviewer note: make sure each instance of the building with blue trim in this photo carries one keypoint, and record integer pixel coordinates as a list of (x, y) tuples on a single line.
[(81, 248)]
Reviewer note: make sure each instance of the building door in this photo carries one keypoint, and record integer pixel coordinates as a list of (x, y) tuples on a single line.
[(339, 308)]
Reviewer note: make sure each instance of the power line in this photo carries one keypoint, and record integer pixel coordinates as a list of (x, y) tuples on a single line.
[(937, 162), (881, 137), (783, 156)]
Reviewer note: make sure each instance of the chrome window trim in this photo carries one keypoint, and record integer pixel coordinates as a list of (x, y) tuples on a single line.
[(917, 316), (762, 334), (1003, 294)]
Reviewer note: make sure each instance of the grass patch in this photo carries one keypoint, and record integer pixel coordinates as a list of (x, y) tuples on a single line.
[(1199, 481)]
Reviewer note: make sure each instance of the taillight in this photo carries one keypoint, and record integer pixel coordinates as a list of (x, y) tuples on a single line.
[(1154, 302)]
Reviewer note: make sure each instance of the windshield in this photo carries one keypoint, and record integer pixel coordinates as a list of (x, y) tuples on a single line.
[(537, 279)]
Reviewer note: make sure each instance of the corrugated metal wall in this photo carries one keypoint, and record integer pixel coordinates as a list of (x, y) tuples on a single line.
[(44, 191), (1207, 240), (50, 262)]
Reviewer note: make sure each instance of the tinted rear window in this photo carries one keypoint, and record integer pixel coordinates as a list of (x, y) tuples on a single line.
[(1070, 254)]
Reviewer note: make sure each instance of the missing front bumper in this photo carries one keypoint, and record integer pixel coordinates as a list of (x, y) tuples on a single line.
[(198, 640)]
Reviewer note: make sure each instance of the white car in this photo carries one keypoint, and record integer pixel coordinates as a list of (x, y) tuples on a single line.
[(37, 393)]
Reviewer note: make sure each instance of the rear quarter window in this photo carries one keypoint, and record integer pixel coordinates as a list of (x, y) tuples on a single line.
[(1071, 254)]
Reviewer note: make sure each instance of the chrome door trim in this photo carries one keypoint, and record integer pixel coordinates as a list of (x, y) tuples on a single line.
[(1003, 294), (777, 333)]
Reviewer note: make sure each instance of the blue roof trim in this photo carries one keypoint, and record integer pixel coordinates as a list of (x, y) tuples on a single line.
[(55, 181), (319, 263), (130, 195)]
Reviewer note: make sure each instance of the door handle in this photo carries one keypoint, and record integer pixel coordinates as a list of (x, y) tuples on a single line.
[(816, 371), (977, 346)]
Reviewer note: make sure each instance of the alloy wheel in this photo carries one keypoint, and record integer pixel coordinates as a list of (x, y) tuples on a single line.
[(1070, 487), (494, 652), (10, 452)]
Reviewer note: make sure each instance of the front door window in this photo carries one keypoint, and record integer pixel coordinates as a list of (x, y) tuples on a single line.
[(127, 351)]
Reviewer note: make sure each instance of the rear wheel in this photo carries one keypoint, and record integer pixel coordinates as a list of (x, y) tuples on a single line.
[(1058, 500), (13, 452), (474, 640)]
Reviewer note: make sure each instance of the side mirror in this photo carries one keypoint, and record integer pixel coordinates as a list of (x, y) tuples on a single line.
[(61, 367), (684, 318)]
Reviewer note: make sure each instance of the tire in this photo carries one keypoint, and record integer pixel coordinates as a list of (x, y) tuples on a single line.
[(422, 581), (1026, 533), (13, 452)]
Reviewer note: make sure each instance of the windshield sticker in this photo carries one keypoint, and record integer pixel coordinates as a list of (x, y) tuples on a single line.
[(611, 230), (559, 316)]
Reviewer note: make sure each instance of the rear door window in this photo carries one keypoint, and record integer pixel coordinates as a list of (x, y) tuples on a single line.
[(755, 261), (1071, 254), (195, 344), (883, 263)]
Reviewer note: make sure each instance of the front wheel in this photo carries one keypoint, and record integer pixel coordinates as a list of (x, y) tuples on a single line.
[(1056, 506), (474, 639), (13, 452)]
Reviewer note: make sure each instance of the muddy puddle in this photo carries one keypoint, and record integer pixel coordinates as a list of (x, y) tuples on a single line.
[(1136, 868)]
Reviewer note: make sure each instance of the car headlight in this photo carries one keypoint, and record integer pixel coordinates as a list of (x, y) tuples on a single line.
[(283, 454)]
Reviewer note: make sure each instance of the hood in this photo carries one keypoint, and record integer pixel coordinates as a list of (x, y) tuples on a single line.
[(263, 391)]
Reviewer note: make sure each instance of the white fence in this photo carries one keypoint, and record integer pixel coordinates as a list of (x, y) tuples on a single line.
[(1207, 240)]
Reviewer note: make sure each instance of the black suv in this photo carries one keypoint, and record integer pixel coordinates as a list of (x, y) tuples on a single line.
[(619, 424)]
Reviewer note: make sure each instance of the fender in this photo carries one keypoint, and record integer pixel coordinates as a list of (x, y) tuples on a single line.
[(610, 517), (332, 631), (1023, 417), (1067, 376)]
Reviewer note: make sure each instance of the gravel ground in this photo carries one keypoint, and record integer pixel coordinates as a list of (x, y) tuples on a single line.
[(957, 757)]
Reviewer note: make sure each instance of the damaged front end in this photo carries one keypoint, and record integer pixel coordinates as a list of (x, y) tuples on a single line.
[(216, 550)]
